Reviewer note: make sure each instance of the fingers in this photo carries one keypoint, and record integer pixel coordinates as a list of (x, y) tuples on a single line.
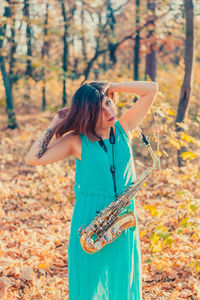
[(62, 112)]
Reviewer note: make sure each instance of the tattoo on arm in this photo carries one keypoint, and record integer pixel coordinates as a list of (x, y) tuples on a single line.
[(43, 143)]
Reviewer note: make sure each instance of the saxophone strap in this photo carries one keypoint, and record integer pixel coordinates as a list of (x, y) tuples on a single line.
[(112, 167), (112, 141)]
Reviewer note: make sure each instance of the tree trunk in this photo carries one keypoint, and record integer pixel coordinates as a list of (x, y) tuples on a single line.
[(137, 44), (65, 53), (83, 40), (28, 72), (45, 54), (12, 122), (150, 68), (28, 38), (13, 48), (188, 74), (104, 63), (111, 36)]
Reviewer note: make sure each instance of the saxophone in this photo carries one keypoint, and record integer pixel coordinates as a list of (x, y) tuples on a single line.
[(112, 220)]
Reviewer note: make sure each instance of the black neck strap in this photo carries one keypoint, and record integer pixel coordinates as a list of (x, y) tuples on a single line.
[(112, 167)]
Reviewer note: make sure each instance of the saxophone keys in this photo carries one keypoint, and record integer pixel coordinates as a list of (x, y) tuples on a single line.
[(98, 245), (93, 227), (108, 237), (116, 229), (104, 224), (90, 241), (100, 220)]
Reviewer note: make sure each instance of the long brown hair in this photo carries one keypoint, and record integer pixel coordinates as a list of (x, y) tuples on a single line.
[(83, 113)]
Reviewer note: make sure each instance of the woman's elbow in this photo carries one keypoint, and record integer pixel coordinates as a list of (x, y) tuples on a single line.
[(155, 86), (29, 161)]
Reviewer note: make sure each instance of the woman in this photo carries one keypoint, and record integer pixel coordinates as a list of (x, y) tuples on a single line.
[(114, 272)]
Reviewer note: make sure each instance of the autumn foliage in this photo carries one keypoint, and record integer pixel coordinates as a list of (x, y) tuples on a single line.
[(36, 202), (37, 205)]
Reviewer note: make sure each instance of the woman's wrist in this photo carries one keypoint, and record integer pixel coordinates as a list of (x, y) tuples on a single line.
[(112, 88), (138, 87), (52, 126)]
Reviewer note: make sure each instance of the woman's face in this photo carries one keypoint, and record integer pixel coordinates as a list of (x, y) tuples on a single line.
[(108, 111)]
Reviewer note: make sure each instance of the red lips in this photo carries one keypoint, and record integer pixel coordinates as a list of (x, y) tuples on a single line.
[(111, 119)]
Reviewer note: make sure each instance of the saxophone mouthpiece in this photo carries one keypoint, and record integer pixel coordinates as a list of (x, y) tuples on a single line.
[(144, 138)]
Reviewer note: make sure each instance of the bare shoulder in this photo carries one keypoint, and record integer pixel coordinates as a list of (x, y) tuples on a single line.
[(124, 125), (76, 145)]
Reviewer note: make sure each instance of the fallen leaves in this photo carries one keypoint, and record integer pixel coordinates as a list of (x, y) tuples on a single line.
[(36, 206)]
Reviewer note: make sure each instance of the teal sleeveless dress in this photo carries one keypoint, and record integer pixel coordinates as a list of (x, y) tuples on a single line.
[(114, 272)]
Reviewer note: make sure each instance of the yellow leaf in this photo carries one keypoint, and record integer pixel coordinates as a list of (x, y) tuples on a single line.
[(57, 198), (55, 206), (57, 242), (8, 140), (142, 233), (171, 112), (152, 209), (43, 266), (61, 179), (188, 155), (186, 137), (174, 143), (156, 246), (46, 252), (135, 134), (192, 99), (24, 135), (1, 253), (194, 236), (159, 266), (45, 120), (158, 153), (197, 265), (122, 103)]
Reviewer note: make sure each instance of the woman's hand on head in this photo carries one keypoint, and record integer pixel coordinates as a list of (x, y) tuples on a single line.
[(110, 91), (59, 116)]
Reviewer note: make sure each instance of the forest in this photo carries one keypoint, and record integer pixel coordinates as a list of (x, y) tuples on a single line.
[(47, 50)]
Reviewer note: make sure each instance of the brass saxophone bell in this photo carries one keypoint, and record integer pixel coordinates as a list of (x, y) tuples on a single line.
[(80, 229)]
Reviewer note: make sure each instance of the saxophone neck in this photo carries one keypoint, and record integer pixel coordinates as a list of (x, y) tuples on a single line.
[(145, 140), (156, 160)]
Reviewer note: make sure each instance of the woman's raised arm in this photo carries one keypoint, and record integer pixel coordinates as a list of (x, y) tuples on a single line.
[(134, 116), (41, 154)]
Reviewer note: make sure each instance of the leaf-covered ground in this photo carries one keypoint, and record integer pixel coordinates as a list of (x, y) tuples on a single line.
[(36, 206)]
